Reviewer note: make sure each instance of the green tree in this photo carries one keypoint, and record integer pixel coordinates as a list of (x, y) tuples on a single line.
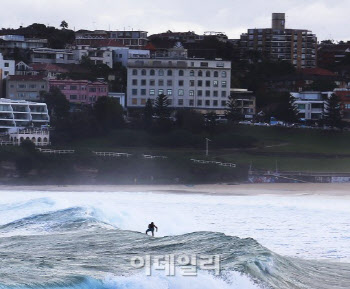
[(332, 112), (64, 24), (109, 113), (57, 104), (161, 107), (233, 111), (148, 114), (289, 110)]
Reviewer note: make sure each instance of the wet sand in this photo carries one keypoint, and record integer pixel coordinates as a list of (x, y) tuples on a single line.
[(208, 189)]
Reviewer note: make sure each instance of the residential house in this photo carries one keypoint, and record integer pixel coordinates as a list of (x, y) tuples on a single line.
[(25, 87), (81, 91)]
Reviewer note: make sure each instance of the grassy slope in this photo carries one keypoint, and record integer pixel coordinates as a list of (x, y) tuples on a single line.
[(292, 149)]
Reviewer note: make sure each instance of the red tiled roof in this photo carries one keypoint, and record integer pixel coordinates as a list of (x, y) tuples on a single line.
[(150, 46), (47, 67), (317, 71), (26, 77)]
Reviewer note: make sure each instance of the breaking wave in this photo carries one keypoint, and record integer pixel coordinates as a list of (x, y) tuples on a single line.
[(72, 248)]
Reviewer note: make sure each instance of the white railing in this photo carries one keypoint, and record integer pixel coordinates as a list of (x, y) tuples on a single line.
[(111, 154), (154, 157), (6, 143), (59, 152), (231, 165)]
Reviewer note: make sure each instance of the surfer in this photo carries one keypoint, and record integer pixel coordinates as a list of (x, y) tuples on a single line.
[(151, 229)]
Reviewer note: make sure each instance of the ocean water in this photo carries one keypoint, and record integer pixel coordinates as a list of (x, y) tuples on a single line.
[(87, 239)]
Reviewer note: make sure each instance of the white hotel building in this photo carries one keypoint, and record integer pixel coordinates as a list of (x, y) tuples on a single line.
[(199, 84)]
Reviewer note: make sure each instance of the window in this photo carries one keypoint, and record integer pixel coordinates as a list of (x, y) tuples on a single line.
[(220, 64), (134, 91), (223, 74), (32, 86), (347, 106), (43, 86), (169, 72), (223, 93), (191, 82), (302, 106), (191, 92), (143, 82), (216, 74), (216, 83), (200, 73), (143, 72), (143, 91), (161, 72), (152, 82), (7, 64), (169, 82), (191, 103), (223, 103), (92, 89), (207, 73), (151, 92), (134, 72), (215, 103), (180, 92), (160, 82), (73, 97), (200, 93), (181, 83), (143, 101), (160, 91), (73, 87), (134, 82), (181, 73), (180, 102), (207, 83), (192, 73), (170, 102), (199, 102), (204, 64), (152, 72), (200, 83), (134, 101), (22, 86), (223, 83), (169, 92), (215, 93), (207, 93), (207, 103)]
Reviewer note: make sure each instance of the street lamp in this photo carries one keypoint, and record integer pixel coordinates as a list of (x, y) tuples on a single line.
[(207, 146)]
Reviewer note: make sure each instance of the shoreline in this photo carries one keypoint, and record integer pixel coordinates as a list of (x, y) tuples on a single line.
[(209, 189)]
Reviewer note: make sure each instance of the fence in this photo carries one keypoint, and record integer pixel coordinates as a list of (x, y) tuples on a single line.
[(111, 154), (59, 152), (231, 165)]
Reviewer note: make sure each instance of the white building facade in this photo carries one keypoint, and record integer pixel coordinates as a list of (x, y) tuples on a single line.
[(198, 84), (123, 54), (7, 67), (19, 114), (311, 104)]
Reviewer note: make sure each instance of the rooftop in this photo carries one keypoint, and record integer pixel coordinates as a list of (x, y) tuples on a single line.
[(26, 78)]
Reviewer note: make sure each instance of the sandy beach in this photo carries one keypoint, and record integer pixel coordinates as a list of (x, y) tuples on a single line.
[(208, 189)]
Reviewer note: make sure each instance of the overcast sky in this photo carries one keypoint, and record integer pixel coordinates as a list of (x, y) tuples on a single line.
[(328, 19)]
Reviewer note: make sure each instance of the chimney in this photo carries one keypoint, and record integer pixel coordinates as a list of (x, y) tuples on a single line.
[(278, 21)]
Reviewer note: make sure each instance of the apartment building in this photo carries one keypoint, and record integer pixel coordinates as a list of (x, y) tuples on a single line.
[(54, 56), (81, 91), (132, 39), (198, 84), (344, 96), (297, 46), (25, 87), (17, 114), (96, 55), (123, 54), (10, 43), (311, 104), (246, 101)]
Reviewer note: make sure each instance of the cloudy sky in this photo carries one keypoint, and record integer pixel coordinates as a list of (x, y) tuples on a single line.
[(327, 18)]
